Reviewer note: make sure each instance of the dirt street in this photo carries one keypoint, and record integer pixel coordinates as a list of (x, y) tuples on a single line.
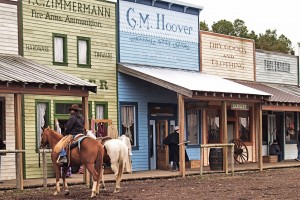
[(269, 184)]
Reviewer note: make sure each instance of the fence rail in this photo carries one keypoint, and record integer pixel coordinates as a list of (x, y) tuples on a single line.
[(19, 168)]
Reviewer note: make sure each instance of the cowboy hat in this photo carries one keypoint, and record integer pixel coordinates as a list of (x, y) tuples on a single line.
[(176, 128), (74, 107)]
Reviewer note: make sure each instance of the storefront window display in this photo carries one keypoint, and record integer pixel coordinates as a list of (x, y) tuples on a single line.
[(244, 126), (290, 136), (213, 119)]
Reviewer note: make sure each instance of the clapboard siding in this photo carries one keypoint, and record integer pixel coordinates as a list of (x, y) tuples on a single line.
[(270, 76), (8, 28), (142, 92), (226, 56), (39, 31), (8, 170), (290, 151)]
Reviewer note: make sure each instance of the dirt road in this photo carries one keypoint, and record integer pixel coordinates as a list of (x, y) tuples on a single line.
[(269, 184)]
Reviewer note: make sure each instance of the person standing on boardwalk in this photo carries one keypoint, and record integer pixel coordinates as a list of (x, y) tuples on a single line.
[(172, 140)]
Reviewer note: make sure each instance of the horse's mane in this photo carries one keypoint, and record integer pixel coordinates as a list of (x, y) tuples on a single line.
[(53, 132)]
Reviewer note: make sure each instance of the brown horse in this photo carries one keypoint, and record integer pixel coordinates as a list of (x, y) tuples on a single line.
[(90, 155)]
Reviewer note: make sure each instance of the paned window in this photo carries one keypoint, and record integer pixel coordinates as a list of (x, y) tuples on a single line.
[(192, 126), (42, 119)]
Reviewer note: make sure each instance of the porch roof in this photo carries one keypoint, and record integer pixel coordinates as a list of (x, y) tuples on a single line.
[(189, 83), (280, 93), (18, 71)]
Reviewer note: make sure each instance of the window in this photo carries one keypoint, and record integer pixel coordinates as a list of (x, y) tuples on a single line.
[(213, 120), (42, 119), (192, 116), (244, 126), (83, 52), (290, 136), (101, 111), (129, 121), (59, 49)]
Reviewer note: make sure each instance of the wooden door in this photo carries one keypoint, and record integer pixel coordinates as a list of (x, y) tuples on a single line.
[(162, 151)]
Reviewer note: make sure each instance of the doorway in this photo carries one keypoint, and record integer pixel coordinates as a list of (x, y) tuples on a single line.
[(159, 153)]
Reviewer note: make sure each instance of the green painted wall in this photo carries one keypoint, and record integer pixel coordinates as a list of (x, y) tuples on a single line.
[(93, 19)]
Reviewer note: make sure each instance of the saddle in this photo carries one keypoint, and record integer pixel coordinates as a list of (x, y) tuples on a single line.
[(67, 140)]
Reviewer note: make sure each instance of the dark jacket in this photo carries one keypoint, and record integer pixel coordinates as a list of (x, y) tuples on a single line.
[(75, 125), (274, 149), (172, 141)]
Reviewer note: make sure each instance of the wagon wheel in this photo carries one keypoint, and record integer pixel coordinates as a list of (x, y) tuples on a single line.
[(240, 151)]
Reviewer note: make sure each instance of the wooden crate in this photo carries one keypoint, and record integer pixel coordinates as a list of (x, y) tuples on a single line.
[(192, 164), (270, 159)]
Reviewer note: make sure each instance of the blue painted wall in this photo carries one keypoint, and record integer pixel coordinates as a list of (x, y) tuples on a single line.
[(132, 89)]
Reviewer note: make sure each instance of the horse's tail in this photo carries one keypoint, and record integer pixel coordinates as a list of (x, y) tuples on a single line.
[(121, 164)]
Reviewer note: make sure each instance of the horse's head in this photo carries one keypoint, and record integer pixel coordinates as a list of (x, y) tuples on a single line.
[(44, 137)]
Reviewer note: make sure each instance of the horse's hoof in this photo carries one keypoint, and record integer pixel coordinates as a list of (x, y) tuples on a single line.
[(117, 191), (103, 189), (55, 193), (67, 192), (93, 195)]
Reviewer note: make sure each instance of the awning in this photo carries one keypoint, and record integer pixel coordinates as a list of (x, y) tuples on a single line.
[(17, 70), (280, 94), (189, 83)]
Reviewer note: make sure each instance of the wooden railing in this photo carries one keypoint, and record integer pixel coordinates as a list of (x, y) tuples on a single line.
[(19, 168)]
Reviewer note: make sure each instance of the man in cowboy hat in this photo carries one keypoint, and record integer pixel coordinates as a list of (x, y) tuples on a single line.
[(74, 126), (172, 140)]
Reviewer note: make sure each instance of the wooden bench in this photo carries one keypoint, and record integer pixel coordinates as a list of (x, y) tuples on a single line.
[(270, 159)]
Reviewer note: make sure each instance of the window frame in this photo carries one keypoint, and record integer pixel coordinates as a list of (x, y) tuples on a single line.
[(88, 54), (48, 114), (135, 145), (65, 49), (3, 118)]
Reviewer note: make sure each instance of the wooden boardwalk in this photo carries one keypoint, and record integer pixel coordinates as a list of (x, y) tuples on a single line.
[(151, 174)]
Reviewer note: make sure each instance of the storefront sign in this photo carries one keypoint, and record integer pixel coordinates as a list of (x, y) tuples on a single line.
[(159, 37), (273, 67), (228, 57), (239, 106)]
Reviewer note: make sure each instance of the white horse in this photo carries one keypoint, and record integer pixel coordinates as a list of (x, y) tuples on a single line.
[(116, 152)]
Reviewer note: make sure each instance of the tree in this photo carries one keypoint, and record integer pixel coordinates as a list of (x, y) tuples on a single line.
[(204, 26), (223, 26), (240, 29), (268, 41)]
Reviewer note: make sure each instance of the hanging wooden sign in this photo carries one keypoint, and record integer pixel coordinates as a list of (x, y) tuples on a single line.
[(239, 106)]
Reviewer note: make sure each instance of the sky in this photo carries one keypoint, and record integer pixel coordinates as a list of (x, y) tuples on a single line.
[(258, 15)]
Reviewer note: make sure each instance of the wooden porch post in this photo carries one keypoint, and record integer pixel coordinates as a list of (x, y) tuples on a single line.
[(258, 125), (18, 140), (181, 134), (85, 113), (225, 136), (203, 151)]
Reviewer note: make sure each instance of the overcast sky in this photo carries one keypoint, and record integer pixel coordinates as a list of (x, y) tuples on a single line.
[(258, 15)]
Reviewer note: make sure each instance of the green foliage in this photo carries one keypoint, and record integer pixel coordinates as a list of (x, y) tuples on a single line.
[(268, 41), (204, 26), (224, 27)]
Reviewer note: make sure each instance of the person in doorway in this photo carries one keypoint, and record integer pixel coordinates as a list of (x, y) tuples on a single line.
[(298, 147), (172, 140), (275, 150), (74, 126)]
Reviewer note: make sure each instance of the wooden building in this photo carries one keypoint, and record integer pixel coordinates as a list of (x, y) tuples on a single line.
[(77, 38)]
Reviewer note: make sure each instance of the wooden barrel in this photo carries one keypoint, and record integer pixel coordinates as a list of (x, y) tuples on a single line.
[(216, 159)]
